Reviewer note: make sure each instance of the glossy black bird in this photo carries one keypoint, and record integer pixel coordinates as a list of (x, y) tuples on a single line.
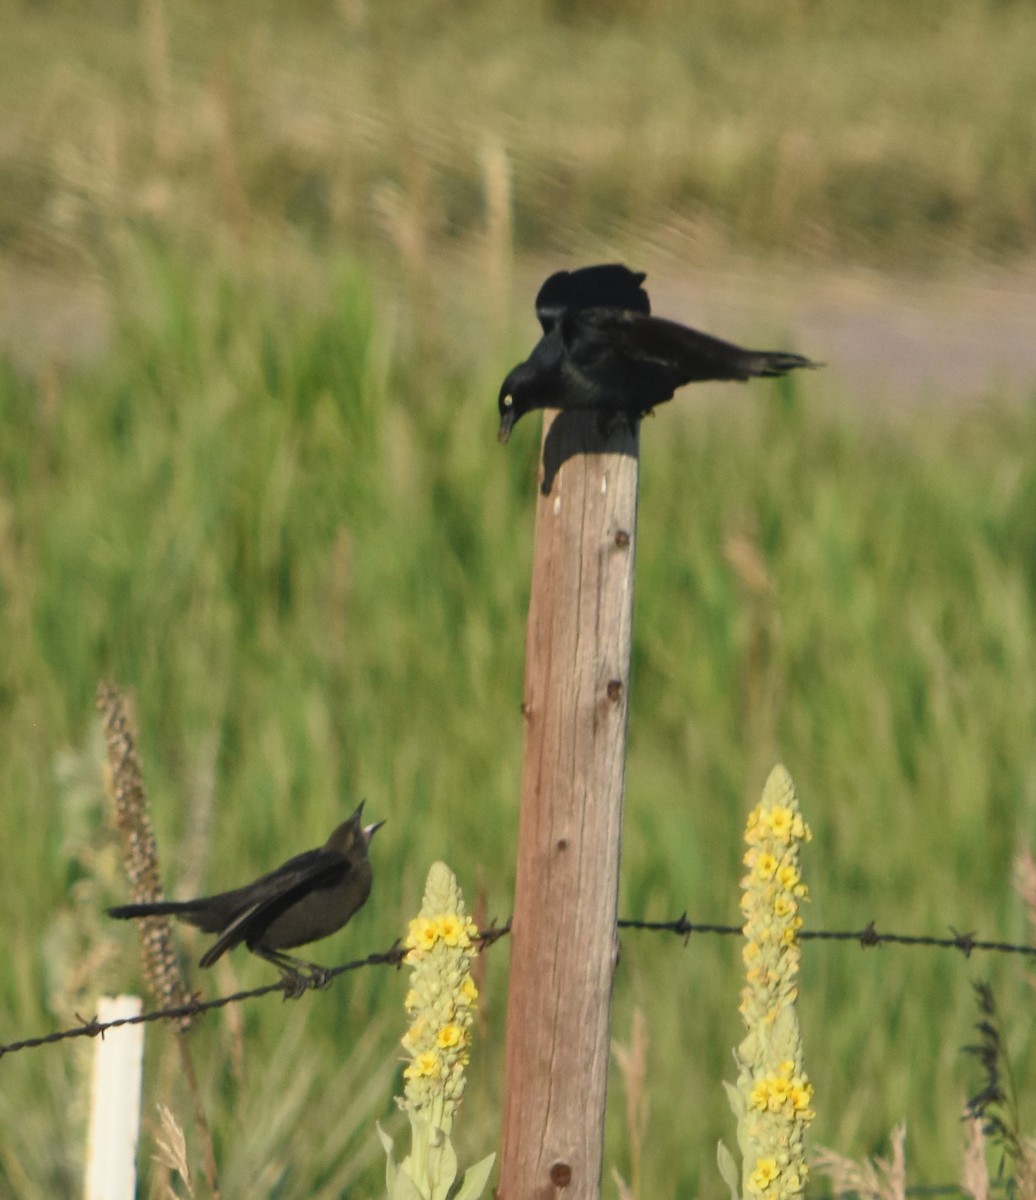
[(602, 350), (307, 898)]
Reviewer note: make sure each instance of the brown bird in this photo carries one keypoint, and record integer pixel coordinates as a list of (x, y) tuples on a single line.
[(305, 899)]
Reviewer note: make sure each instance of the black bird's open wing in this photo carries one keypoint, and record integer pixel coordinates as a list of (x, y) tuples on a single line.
[(640, 341), (608, 285), (263, 901), (631, 361)]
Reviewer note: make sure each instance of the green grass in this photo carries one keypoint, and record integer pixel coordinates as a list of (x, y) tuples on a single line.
[(887, 132), (287, 526)]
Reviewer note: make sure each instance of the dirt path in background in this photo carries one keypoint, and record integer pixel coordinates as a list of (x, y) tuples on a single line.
[(886, 342)]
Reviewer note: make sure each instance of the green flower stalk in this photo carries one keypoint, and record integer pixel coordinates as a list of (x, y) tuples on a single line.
[(773, 1097), (441, 1006)]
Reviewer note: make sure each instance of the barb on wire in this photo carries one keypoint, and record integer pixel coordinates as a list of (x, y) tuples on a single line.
[(291, 987)]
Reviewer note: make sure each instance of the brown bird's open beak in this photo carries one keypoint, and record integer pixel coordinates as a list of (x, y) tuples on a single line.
[(370, 830)]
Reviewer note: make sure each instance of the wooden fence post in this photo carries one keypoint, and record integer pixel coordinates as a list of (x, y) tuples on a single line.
[(563, 939)]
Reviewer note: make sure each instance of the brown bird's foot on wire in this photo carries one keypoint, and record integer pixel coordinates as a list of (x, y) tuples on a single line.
[(298, 975), (296, 981), (294, 984), (320, 977)]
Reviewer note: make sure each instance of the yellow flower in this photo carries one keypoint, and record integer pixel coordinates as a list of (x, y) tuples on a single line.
[(766, 1171), (451, 929), (801, 1094), (422, 934), (468, 990), (781, 821), (450, 1036), (752, 825), (425, 1066), (779, 1090), (766, 865), (788, 877)]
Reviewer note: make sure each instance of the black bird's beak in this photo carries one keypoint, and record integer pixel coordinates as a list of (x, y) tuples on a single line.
[(506, 420)]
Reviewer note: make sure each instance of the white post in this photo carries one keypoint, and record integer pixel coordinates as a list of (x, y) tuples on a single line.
[(111, 1165)]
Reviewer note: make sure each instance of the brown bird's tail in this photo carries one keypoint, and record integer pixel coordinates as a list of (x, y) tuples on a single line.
[(160, 908)]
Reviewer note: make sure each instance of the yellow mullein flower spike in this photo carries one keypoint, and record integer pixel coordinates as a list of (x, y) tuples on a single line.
[(441, 1002), (773, 1097)]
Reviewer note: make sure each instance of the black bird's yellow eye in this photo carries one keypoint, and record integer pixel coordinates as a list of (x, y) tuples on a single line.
[(508, 400)]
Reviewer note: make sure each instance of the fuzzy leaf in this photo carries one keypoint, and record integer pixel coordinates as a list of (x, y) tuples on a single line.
[(728, 1169), (475, 1179), (737, 1100), (442, 1168), (391, 1169), (406, 1189)]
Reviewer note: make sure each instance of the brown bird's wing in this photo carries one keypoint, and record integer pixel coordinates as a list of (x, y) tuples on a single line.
[(263, 901)]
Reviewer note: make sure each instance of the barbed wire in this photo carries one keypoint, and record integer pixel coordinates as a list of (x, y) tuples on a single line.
[(291, 987), (867, 937)]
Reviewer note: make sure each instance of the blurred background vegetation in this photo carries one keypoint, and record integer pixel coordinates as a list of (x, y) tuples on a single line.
[(262, 268)]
